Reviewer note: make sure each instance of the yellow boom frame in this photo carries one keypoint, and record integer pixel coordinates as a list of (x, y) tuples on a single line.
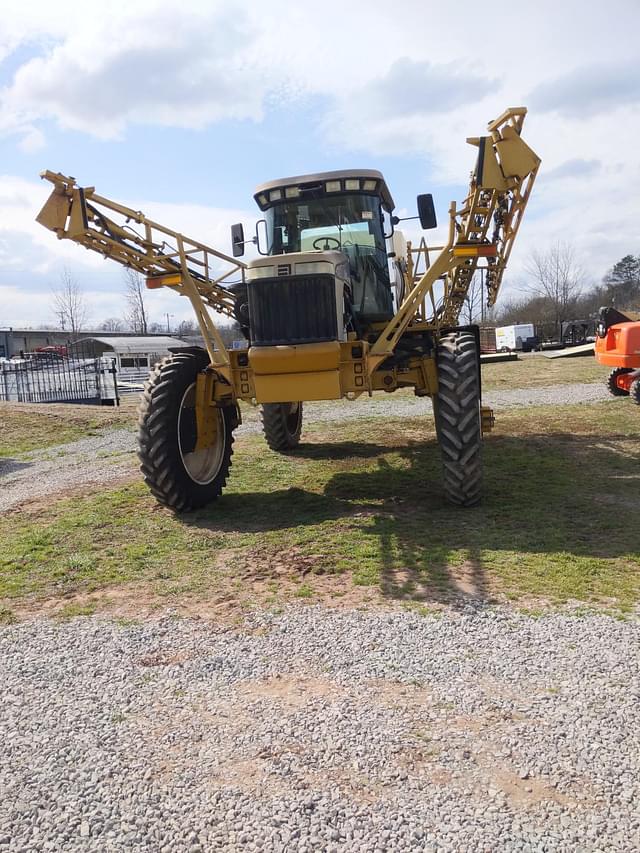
[(485, 226)]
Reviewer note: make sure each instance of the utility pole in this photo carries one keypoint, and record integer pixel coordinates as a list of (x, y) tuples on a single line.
[(168, 325)]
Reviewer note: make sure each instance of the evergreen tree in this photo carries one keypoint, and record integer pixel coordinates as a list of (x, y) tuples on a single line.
[(623, 282)]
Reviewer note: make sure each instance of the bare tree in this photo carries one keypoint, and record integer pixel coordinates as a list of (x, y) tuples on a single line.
[(112, 324), (558, 279), (134, 294), (231, 333), (69, 304), (186, 327), (472, 306)]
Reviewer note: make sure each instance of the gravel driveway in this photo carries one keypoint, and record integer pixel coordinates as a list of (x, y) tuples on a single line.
[(475, 730), (111, 456)]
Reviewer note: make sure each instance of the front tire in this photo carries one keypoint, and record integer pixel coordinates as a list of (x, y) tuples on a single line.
[(612, 382), (458, 420), (181, 476), (282, 425), (634, 391)]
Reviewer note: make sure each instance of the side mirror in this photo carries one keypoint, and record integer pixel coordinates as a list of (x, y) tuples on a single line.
[(426, 211), (237, 240)]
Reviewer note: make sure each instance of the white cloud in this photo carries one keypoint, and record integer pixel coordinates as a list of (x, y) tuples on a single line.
[(144, 65), (590, 89), (32, 258), (403, 81)]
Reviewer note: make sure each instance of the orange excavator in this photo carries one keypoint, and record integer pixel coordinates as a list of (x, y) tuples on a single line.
[(618, 345)]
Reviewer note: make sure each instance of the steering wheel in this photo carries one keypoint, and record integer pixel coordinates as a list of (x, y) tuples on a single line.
[(326, 239)]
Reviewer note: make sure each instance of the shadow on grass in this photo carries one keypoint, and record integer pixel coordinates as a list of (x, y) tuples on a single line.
[(556, 500), (8, 465), (340, 450)]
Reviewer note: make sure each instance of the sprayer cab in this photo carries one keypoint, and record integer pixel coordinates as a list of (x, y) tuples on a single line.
[(323, 269)]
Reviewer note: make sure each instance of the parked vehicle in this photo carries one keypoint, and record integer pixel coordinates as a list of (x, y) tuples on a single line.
[(317, 310), (520, 337), (618, 345)]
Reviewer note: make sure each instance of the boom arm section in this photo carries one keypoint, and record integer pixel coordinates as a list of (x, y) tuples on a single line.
[(165, 257), (485, 227)]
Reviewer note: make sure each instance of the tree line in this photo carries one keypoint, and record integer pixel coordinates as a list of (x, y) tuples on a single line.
[(71, 310), (557, 290)]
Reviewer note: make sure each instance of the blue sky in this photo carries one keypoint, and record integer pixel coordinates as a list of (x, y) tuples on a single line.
[(181, 112)]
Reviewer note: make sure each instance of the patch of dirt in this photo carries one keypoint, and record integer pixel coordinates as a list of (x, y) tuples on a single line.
[(291, 691), (457, 583), (248, 774), (526, 792), (227, 604), (468, 580), (40, 504), (396, 695), (163, 658), (134, 602), (258, 564)]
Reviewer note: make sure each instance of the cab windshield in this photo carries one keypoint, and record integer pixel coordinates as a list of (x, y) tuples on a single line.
[(350, 223), (342, 220)]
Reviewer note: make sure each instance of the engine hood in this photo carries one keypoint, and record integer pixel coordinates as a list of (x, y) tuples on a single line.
[(331, 256)]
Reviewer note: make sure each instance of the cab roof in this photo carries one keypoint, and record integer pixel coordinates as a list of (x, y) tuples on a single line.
[(341, 175)]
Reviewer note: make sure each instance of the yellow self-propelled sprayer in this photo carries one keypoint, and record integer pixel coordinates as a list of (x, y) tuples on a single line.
[(337, 305)]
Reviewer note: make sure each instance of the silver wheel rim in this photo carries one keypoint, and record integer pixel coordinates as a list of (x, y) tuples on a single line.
[(203, 465)]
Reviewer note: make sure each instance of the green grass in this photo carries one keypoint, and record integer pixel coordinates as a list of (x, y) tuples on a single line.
[(7, 616), (358, 507), (73, 609), (536, 371), (28, 427)]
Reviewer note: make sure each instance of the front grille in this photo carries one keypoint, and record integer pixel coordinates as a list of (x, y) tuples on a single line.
[(292, 310)]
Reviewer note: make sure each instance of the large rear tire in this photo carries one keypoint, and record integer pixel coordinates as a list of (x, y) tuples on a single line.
[(634, 391), (282, 425), (612, 382), (458, 421), (180, 476)]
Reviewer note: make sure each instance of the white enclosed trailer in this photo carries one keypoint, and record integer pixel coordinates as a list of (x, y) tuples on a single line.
[(515, 337)]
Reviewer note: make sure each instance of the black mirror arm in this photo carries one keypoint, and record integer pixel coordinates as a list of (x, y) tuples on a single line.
[(396, 219)]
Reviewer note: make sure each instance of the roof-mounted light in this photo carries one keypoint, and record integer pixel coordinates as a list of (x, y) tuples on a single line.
[(275, 195), (333, 186), (262, 199), (352, 184), (369, 186), (292, 192)]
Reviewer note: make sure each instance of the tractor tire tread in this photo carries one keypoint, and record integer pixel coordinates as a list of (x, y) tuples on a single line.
[(276, 431), (612, 386), (160, 463), (458, 418)]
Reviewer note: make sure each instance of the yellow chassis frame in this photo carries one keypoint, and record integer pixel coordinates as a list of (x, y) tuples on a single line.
[(499, 189)]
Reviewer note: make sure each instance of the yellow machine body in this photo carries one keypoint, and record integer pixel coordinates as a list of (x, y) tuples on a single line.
[(482, 229)]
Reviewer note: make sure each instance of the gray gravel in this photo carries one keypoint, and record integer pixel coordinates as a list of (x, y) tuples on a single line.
[(97, 459), (474, 730), (397, 405), (111, 455)]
